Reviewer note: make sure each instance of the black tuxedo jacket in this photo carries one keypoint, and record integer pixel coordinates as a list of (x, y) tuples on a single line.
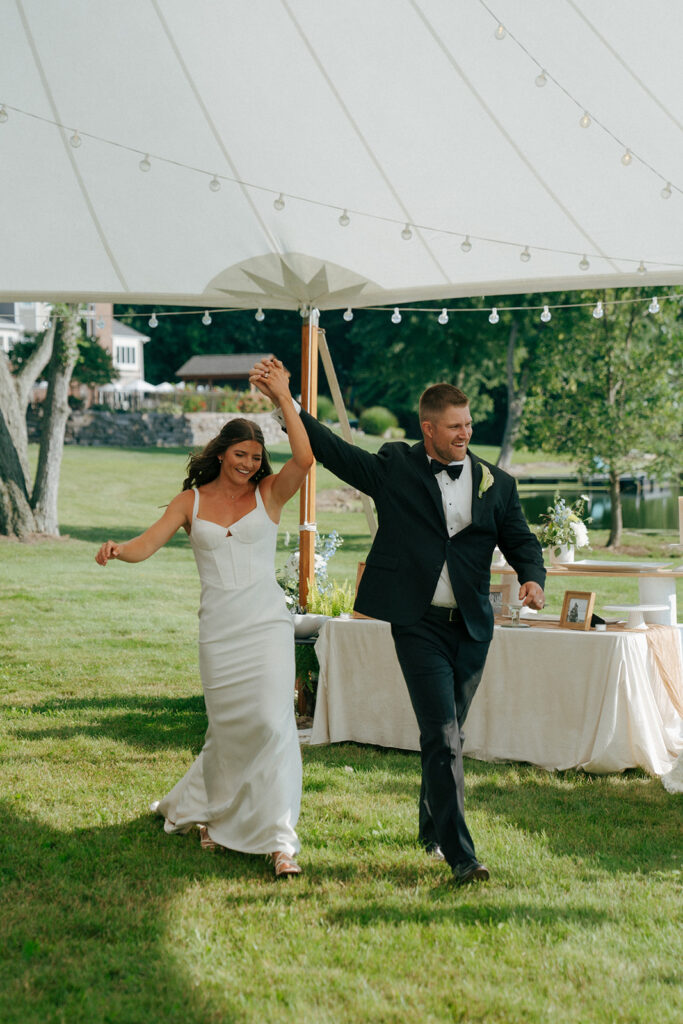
[(412, 542)]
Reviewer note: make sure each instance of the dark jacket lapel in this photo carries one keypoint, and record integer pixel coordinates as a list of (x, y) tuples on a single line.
[(420, 461)]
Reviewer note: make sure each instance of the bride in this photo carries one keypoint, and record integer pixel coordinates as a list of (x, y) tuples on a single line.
[(244, 790)]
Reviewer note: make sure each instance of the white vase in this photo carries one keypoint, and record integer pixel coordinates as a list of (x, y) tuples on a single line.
[(307, 624), (560, 554)]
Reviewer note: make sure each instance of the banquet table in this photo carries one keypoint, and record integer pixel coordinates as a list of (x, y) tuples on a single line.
[(557, 698)]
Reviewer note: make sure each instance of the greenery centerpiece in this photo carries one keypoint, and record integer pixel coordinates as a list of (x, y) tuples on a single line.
[(564, 528)]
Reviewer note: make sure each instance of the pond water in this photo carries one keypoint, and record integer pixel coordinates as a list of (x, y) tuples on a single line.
[(653, 510)]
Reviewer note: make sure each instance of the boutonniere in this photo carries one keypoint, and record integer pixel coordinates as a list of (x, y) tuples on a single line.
[(486, 480)]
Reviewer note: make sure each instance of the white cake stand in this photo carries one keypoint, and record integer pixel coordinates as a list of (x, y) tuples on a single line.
[(636, 612)]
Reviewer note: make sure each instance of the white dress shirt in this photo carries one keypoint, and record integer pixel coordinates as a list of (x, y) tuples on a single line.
[(456, 496)]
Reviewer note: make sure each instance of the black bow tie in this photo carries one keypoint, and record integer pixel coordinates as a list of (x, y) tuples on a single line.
[(453, 471)]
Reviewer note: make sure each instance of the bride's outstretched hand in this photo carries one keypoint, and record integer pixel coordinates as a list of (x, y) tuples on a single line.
[(108, 550)]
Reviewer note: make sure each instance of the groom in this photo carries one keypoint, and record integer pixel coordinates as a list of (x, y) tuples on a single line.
[(441, 513)]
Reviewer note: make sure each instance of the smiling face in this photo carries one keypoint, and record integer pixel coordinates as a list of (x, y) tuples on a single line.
[(241, 461), (448, 433)]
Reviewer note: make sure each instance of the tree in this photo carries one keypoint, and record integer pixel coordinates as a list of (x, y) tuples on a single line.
[(609, 393), (24, 510)]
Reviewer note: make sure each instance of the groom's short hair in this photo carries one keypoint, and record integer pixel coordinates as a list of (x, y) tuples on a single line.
[(436, 399)]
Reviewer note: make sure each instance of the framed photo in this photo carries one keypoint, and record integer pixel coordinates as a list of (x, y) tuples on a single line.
[(577, 609), (497, 597)]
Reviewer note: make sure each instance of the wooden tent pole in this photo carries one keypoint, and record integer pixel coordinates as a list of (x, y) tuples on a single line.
[(309, 401)]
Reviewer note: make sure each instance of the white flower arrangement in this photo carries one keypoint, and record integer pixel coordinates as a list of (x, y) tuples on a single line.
[(288, 576), (563, 524)]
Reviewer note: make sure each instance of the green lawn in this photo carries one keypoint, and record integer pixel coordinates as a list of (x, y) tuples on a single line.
[(104, 918)]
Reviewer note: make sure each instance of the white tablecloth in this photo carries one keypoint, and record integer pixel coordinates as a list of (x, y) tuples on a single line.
[(556, 698)]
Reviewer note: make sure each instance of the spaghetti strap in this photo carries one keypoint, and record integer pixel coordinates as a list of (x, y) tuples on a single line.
[(195, 508)]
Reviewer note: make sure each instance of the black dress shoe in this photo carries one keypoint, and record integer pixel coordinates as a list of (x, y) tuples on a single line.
[(435, 852), (473, 872)]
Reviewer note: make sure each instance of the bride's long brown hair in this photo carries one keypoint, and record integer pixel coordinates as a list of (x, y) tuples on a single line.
[(204, 466)]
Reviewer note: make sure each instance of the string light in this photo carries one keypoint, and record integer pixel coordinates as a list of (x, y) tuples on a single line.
[(583, 263), (666, 191), (541, 80), (144, 164), (546, 315), (75, 140), (598, 311), (153, 322), (344, 219), (585, 121), (396, 316), (206, 319), (47, 324), (626, 158), (406, 234), (279, 203), (493, 316), (443, 316), (4, 116), (466, 245), (642, 269), (500, 32), (525, 255), (259, 315), (215, 184), (654, 306), (348, 314), (303, 312), (100, 324)]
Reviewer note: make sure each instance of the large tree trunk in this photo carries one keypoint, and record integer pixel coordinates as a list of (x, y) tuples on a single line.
[(16, 515), (515, 404), (616, 526), (55, 415)]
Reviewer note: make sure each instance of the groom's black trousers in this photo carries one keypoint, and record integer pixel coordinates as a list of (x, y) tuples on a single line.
[(442, 667)]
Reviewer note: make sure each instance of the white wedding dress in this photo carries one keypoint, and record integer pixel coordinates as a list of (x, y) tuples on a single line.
[(245, 786)]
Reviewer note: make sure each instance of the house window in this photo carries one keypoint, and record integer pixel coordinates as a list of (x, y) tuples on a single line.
[(125, 355)]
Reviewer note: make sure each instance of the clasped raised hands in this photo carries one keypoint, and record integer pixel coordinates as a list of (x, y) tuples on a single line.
[(271, 378)]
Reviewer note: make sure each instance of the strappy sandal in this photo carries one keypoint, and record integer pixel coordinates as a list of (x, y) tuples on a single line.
[(205, 839), (284, 865)]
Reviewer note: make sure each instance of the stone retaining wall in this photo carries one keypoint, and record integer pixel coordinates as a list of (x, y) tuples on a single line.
[(153, 429)]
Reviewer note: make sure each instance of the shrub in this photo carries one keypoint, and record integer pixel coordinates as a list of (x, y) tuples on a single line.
[(326, 410), (193, 403), (376, 420), (249, 402)]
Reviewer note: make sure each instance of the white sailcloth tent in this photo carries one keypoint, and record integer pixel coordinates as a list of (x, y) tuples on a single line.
[(285, 153)]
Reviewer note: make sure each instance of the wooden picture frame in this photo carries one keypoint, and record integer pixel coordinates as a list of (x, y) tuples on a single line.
[(497, 597), (577, 609)]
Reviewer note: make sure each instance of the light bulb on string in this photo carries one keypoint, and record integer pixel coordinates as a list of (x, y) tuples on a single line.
[(396, 316), (443, 316), (541, 80), (145, 164), (500, 32), (626, 158), (348, 314), (279, 203), (585, 121), (546, 315), (493, 316), (100, 324), (642, 269), (303, 312), (47, 324), (466, 245), (344, 219), (259, 315), (583, 263), (598, 311), (75, 140), (525, 255), (153, 322), (654, 306), (215, 184), (206, 319), (4, 116), (407, 233), (666, 191)]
